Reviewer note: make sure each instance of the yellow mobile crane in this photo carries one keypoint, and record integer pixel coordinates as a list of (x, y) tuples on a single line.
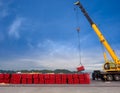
[(111, 68)]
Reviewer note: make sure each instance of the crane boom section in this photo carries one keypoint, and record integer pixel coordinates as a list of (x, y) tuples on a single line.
[(99, 34), (105, 43)]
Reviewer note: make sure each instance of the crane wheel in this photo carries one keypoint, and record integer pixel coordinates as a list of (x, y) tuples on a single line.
[(117, 77), (109, 77)]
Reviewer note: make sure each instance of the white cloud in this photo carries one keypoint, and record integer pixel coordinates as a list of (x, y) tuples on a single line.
[(58, 56), (14, 29), (67, 56)]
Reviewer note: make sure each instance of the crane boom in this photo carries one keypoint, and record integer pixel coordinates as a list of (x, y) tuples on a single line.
[(100, 36)]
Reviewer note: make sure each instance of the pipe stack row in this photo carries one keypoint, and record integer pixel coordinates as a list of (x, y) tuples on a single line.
[(45, 78)]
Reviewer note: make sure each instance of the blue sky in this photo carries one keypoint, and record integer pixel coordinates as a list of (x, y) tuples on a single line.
[(40, 34)]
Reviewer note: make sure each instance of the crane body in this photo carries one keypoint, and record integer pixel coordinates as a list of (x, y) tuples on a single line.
[(111, 68)]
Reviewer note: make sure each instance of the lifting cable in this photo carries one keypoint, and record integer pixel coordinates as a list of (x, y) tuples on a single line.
[(79, 45), (78, 32)]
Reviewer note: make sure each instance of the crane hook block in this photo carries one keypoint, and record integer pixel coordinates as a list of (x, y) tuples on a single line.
[(78, 29)]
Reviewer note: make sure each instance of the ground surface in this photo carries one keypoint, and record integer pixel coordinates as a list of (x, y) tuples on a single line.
[(94, 87)]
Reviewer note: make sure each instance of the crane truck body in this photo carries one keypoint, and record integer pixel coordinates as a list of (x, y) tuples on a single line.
[(111, 69)]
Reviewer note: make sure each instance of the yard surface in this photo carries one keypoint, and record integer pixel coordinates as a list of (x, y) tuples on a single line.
[(94, 87)]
